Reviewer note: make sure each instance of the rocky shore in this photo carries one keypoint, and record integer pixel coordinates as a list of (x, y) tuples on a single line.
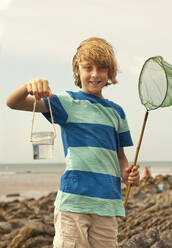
[(148, 224)]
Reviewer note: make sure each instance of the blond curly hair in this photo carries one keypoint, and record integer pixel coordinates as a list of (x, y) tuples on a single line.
[(98, 51)]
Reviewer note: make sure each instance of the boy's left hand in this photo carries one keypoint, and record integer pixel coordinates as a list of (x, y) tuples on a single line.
[(131, 175)]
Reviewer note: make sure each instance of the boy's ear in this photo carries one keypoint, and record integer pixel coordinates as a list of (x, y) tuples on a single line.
[(77, 71)]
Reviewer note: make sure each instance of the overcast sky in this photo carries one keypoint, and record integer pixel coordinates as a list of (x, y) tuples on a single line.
[(38, 38)]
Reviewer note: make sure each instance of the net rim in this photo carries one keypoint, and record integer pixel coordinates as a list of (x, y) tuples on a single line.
[(161, 60)]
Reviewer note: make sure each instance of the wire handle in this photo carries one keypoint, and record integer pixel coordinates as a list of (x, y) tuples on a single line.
[(52, 119), (136, 155)]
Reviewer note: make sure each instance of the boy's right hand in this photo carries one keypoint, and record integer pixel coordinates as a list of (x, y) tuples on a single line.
[(39, 88)]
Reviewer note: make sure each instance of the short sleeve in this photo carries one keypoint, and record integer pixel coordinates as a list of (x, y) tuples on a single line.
[(125, 138), (59, 112)]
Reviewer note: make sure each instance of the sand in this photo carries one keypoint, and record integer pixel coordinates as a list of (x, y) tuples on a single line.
[(28, 185)]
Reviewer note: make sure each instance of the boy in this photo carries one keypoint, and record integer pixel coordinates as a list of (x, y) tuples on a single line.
[(94, 132)]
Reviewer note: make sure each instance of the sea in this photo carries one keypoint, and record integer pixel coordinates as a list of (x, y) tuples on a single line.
[(155, 168), (35, 167)]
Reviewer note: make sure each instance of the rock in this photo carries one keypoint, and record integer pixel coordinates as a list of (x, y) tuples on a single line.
[(13, 195), (5, 227), (148, 222), (148, 212), (28, 234)]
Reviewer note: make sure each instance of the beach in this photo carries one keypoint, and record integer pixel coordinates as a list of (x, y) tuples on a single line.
[(29, 180), (38, 179), (27, 185), (26, 210)]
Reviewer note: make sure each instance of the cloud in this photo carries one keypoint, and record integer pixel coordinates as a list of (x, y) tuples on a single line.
[(53, 29), (1, 31), (5, 4), (136, 64)]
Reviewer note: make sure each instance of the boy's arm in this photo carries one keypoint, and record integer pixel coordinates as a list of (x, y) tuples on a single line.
[(129, 173), (21, 98)]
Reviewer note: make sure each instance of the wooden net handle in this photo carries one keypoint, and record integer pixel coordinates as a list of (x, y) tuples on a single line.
[(136, 154)]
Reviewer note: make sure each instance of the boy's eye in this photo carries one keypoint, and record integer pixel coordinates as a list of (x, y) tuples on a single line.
[(90, 67), (87, 67), (101, 67)]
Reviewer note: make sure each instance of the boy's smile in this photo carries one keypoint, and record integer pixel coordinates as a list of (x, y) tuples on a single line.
[(93, 78)]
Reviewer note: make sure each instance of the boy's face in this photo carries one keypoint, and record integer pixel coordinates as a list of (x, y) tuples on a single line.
[(93, 78)]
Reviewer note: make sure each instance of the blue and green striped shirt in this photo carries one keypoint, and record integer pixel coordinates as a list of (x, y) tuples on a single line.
[(93, 130)]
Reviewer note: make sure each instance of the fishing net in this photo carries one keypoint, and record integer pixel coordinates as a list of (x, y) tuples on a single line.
[(155, 83), (155, 90)]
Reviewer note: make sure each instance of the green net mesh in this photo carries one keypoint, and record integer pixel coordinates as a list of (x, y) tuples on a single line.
[(155, 83)]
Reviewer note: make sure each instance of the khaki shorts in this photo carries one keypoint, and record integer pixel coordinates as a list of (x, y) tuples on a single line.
[(77, 230)]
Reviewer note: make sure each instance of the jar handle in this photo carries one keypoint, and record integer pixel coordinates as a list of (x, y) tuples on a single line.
[(52, 119)]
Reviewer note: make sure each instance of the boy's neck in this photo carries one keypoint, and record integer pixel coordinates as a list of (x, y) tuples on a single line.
[(97, 95)]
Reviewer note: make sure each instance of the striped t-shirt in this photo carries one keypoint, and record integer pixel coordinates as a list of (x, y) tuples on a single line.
[(93, 130)]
